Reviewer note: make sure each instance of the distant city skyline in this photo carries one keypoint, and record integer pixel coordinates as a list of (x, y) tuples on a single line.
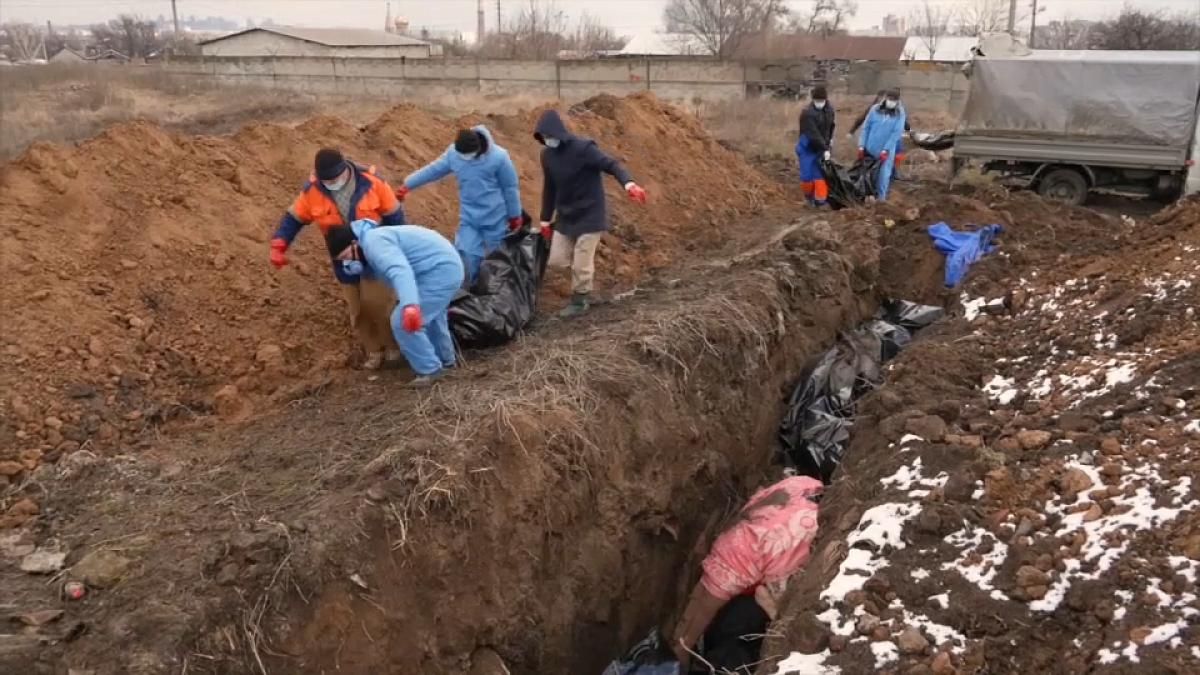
[(626, 17)]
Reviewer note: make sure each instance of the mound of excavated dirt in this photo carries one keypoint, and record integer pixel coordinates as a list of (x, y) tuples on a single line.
[(1020, 495), (137, 289)]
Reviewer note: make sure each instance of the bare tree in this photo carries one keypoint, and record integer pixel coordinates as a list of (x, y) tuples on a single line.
[(592, 36), (129, 35), (1142, 29), (25, 40), (721, 26), (826, 17), (1065, 34), (981, 17), (930, 23)]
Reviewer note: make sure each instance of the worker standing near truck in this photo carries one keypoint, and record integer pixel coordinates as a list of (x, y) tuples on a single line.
[(744, 574), (573, 189), (881, 134), (489, 194), (338, 192), (815, 145), (879, 98), (424, 271)]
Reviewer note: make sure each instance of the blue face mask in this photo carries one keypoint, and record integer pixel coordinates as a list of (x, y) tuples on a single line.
[(352, 267), (551, 142), (465, 156)]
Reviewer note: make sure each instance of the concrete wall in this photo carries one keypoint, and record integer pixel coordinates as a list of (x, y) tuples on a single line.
[(267, 44), (681, 79)]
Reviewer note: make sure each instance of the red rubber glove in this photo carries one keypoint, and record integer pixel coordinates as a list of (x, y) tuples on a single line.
[(279, 253), (546, 230), (636, 193), (401, 192), (514, 224), (411, 319), (883, 156), (862, 153)]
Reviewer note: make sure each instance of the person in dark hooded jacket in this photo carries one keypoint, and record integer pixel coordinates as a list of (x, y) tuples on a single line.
[(574, 190)]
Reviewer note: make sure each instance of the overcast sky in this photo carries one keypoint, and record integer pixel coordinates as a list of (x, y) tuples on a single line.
[(628, 17)]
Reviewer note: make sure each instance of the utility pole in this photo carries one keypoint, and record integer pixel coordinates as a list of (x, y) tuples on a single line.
[(1033, 24), (499, 22), (480, 28), (1012, 17), (175, 17)]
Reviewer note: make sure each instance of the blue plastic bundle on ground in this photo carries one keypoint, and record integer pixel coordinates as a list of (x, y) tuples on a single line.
[(962, 249)]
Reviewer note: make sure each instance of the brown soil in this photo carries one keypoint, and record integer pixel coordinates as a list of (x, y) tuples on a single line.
[(136, 283), (547, 504), (1098, 339)]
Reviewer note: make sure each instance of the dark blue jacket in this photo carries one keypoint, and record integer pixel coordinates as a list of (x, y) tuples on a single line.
[(573, 186)]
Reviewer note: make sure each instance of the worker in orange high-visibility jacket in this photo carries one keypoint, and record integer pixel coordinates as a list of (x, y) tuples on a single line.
[(338, 193)]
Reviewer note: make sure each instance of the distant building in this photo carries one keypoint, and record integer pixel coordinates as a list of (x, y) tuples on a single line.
[(323, 42), (799, 46), (894, 25), (949, 48), (67, 56), (662, 44)]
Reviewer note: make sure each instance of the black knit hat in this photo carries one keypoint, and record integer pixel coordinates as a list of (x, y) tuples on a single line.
[(338, 239), (467, 142), (819, 93), (329, 164)]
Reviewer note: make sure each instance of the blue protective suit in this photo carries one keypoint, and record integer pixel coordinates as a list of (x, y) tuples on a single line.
[(423, 269), (488, 196), (881, 132), (962, 249)]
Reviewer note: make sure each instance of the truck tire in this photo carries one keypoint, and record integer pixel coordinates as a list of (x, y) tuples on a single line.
[(1067, 186)]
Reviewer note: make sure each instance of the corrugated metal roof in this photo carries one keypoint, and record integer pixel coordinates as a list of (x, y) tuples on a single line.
[(833, 48), (662, 44), (333, 37), (947, 48)]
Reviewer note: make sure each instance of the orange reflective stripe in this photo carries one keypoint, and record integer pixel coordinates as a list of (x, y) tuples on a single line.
[(820, 190), (807, 186)]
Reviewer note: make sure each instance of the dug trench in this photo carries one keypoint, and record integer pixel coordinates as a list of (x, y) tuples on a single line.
[(539, 507)]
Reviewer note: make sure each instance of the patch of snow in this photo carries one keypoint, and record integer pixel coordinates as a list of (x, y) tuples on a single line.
[(972, 307), (885, 652), (904, 477), (1002, 389), (984, 572), (1165, 632), (941, 634), (942, 599), (910, 438), (882, 525), (1119, 375), (919, 574), (806, 664), (1192, 427)]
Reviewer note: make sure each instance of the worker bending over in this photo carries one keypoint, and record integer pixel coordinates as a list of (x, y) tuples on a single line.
[(424, 271), (881, 134), (489, 198), (574, 189), (337, 193), (745, 573), (815, 145)]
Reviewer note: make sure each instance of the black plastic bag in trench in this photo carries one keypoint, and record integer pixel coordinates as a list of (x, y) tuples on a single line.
[(816, 426), (850, 187), (504, 296)]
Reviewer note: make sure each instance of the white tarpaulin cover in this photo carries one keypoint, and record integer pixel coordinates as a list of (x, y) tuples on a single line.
[(1136, 98)]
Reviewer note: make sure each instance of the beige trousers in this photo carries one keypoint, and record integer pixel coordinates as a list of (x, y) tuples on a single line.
[(579, 254), (370, 303)]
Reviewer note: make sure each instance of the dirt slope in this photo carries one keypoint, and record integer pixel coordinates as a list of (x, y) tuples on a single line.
[(1020, 496), (136, 282)]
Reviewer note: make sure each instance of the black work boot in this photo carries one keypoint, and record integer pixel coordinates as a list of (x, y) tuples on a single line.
[(578, 305)]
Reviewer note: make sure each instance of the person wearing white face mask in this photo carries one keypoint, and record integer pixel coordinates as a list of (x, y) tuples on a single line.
[(337, 193), (815, 145), (489, 197), (880, 138), (573, 189)]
